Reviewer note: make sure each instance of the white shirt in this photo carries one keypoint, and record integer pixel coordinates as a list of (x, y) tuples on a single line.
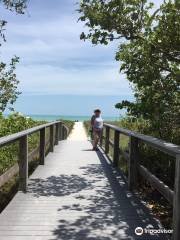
[(98, 123)]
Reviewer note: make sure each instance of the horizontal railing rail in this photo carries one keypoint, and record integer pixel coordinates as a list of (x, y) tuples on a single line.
[(14, 170), (134, 167), (58, 131), (16, 136), (161, 145)]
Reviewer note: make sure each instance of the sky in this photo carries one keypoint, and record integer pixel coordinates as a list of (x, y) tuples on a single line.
[(58, 73)]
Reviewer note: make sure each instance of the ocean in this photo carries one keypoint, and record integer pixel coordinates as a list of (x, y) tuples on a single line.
[(50, 118)]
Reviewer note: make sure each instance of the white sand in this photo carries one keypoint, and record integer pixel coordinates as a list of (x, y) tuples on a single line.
[(78, 132)]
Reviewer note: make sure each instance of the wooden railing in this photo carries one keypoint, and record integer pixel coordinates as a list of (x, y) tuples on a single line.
[(134, 166), (58, 131)]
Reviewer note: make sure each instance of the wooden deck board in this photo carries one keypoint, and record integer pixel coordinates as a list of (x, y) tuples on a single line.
[(76, 195)]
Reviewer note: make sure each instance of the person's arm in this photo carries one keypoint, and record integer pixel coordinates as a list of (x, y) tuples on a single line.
[(92, 121)]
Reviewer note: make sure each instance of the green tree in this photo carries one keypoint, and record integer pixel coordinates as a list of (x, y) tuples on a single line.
[(8, 78), (149, 54)]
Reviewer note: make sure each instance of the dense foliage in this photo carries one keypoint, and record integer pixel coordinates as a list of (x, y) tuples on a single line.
[(13, 124), (8, 78), (8, 84), (149, 52)]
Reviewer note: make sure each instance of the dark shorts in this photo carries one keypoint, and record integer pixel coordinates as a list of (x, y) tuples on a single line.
[(97, 134)]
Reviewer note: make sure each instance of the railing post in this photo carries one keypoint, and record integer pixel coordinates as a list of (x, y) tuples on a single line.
[(60, 131), (101, 138), (63, 132), (42, 145), (116, 148), (23, 163), (52, 138), (176, 204), (132, 166), (66, 133), (57, 134), (107, 140)]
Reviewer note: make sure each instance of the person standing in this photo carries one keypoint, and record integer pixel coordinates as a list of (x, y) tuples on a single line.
[(97, 127)]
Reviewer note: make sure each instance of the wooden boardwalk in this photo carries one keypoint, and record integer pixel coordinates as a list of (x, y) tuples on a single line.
[(76, 195)]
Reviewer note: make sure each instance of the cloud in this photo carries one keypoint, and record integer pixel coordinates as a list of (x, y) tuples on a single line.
[(54, 60), (57, 80)]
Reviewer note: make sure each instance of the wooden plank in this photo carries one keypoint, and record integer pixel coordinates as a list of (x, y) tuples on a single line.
[(60, 131), (132, 164), (107, 140), (101, 138), (51, 138), (156, 183), (111, 143), (116, 149), (42, 146), (56, 133), (5, 177), (66, 131), (34, 154), (176, 206), (23, 163), (63, 132)]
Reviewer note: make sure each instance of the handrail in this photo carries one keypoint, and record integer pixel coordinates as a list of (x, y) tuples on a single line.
[(16, 136), (58, 131), (159, 144), (12, 171), (134, 166)]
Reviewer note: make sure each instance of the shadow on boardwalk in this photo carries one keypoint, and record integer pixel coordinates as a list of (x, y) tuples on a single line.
[(112, 212), (57, 185)]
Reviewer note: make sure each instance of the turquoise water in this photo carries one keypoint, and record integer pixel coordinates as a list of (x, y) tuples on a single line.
[(73, 118)]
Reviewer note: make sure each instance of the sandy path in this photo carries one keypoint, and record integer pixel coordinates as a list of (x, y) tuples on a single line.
[(78, 132)]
